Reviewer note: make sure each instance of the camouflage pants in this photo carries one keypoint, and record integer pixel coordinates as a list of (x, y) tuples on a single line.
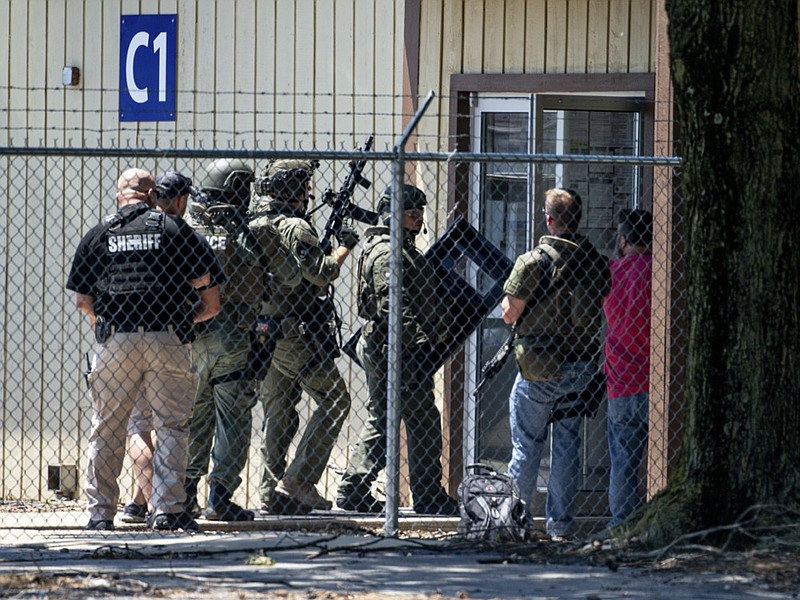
[(423, 429), (280, 395)]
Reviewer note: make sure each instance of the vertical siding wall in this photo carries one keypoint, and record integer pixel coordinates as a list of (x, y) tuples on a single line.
[(527, 36), (251, 74), (530, 36)]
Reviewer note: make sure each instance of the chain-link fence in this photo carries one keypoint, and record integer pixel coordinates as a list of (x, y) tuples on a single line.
[(382, 346)]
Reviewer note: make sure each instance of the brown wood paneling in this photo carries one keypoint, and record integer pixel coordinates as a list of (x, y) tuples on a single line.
[(666, 378), (533, 82), (411, 52)]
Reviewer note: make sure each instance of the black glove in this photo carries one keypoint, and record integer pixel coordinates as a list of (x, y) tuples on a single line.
[(225, 216), (347, 237)]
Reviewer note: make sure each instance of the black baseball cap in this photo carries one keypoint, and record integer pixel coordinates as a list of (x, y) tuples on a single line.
[(172, 184)]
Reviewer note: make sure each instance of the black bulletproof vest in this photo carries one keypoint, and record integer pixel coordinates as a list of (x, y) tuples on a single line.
[(137, 286)]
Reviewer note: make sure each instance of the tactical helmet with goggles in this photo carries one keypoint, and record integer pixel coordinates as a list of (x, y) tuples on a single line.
[(228, 181), (287, 179), (413, 197)]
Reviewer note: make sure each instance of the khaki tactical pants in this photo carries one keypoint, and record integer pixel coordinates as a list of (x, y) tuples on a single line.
[(158, 366), (281, 395)]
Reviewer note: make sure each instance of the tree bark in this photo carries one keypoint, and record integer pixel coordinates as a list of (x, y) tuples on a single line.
[(734, 66)]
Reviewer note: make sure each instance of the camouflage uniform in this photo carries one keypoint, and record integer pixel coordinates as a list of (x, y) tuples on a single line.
[(302, 361), (423, 309)]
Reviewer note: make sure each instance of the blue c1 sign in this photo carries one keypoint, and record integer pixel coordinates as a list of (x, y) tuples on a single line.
[(147, 67)]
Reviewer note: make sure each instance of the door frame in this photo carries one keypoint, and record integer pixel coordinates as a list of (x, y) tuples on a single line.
[(463, 87)]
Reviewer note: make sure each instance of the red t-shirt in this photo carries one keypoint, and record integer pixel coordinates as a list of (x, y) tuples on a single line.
[(627, 310)]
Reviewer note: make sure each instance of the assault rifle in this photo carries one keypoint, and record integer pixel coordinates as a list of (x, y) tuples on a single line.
[(223, 215), (342, 201), (493, 366)]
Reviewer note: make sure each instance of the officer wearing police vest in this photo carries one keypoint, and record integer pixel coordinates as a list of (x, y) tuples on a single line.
[(422, 314), (251, 255), (142, 278), (305, 349)]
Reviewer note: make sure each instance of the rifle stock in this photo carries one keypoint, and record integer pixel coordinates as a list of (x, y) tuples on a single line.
[(496, 363)]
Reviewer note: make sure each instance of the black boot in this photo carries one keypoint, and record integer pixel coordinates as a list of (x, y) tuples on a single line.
[(439, 503), (190, 505), (221, 508), (356, 496)]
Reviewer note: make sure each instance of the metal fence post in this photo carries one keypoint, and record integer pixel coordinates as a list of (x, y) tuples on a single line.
[(393, 377)]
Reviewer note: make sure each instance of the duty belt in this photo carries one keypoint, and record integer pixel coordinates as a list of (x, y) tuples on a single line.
[(139, 329)]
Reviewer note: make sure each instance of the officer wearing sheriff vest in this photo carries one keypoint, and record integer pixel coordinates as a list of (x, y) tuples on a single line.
[(250, 255), (143, 279), (172, 197)]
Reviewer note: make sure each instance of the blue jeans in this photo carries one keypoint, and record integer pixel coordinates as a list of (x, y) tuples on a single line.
[(627, 437), (530, 405)]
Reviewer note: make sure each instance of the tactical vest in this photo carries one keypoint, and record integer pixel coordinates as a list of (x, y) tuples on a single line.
[(571, 311), (300, 300), (366, 301), (239, 257), (133, 242), (422, 313)]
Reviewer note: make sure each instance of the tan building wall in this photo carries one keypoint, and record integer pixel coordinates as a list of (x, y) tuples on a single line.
[(251, 74), (531, 36)]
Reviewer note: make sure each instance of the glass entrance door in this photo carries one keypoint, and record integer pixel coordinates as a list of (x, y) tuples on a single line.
[(506, 204)]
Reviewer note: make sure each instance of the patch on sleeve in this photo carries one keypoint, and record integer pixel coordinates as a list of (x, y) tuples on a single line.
[(303, 250)]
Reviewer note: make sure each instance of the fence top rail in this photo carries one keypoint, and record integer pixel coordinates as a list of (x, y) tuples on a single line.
[(246, 153)]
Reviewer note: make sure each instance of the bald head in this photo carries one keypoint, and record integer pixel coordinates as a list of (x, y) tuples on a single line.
[(133, 186)]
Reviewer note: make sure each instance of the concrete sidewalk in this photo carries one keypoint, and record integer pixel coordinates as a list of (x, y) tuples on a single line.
[(220, 563)]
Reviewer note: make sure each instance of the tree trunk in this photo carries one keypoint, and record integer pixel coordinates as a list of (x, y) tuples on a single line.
[(737, 97)]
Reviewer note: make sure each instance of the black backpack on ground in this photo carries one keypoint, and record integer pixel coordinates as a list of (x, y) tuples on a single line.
[(491, 507)]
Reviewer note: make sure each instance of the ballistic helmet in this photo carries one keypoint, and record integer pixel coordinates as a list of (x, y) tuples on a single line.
[(286, 179), (228, 181), (413, 197)]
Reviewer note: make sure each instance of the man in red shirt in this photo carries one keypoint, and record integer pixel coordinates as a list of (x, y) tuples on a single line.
[(627, 359)]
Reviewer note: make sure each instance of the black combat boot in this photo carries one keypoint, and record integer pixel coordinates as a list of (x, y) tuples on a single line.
[(221, 508), (354, 495), (190, 505)]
